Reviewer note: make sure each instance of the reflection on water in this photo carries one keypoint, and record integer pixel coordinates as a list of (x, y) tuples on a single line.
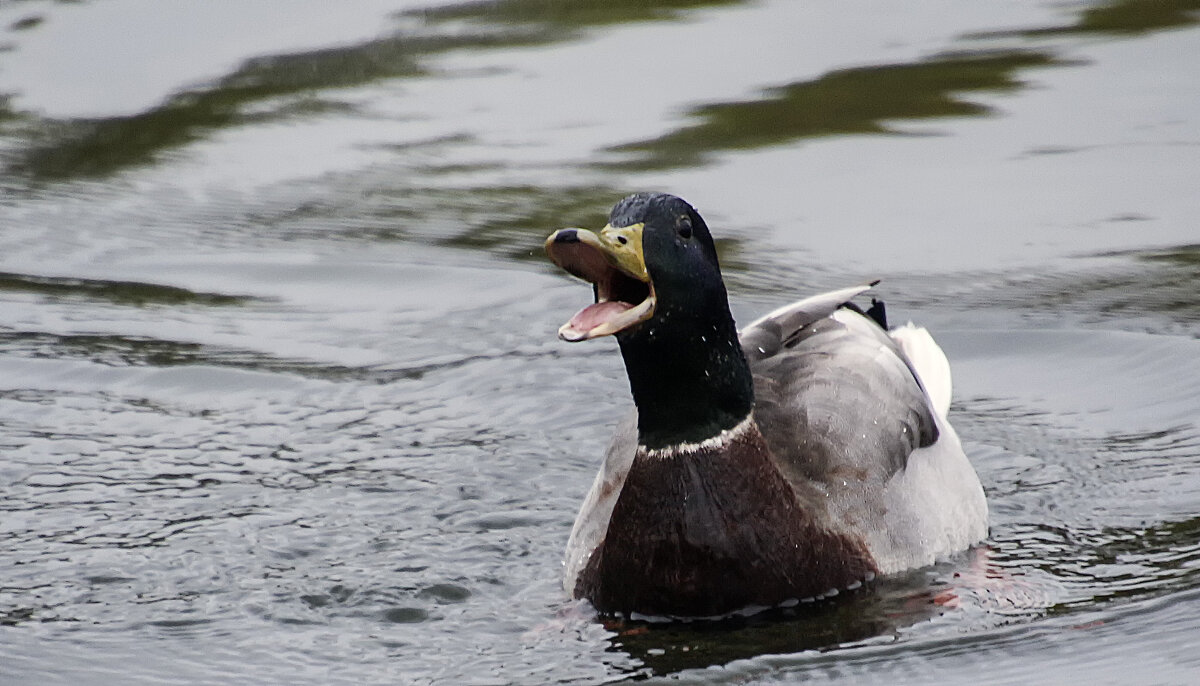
[(304, 85), (565, 19), (265, 89), (851, 101), (277, 88), (318, 429), (511, 219), (887, 608), (118, 292), (1122, 17), (1140, 290)]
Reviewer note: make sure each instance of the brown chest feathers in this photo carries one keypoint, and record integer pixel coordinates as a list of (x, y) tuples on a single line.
[(712, 529)]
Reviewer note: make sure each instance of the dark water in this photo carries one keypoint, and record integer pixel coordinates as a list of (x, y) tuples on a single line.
[(280, 398)]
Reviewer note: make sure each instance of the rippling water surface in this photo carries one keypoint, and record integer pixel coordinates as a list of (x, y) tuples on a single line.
[(280, 395)]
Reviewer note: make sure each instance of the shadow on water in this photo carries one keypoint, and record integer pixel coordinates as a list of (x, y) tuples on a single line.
[(887, 607)]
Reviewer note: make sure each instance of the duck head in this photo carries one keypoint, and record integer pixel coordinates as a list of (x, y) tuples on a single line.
[(658, 289), (655, 259)]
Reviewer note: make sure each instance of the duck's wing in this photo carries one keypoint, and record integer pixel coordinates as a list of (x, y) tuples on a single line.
[(836, 395), (928, 362), (767, 335), (844, 408), (592, 521)]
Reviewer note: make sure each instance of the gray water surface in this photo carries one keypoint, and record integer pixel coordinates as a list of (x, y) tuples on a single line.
[(280, 396)]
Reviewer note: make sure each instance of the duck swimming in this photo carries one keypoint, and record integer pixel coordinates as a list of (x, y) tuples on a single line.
[(796, 459)]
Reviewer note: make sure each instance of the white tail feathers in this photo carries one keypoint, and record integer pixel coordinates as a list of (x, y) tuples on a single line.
[(929, 362)]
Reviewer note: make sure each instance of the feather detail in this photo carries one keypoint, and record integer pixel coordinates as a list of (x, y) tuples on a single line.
[(929, 363), (765, 336)]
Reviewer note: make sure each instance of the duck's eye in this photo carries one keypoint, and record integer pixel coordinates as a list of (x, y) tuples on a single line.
[(684, 227)]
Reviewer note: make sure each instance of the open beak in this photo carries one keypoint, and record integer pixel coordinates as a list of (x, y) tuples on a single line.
[(614, 263)]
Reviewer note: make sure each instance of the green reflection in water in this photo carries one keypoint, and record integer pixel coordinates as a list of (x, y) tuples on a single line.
[(115, 350), (848, 101), (507, 219), (569, 15), (1122, 17), (516, 220), (118, 292), (108, 350), (1137, 16), (513, 221), (1156, 290), (1169, 286), (26, 23), (73, 148), (298, 84), (1175, 288), (1184, 256), (1149, 562)]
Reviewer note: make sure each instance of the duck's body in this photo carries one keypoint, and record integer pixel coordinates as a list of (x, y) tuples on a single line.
[(797, 460)]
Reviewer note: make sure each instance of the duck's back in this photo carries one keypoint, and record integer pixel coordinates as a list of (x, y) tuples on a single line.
[(838, 400)]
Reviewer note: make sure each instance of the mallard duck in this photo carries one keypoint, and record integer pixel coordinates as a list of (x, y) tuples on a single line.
[(794, 460)]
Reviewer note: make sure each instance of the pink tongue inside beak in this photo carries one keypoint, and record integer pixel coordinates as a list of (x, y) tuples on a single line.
[(594, 315)]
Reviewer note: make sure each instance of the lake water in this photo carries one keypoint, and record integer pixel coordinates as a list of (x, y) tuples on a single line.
[(280, 396)]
